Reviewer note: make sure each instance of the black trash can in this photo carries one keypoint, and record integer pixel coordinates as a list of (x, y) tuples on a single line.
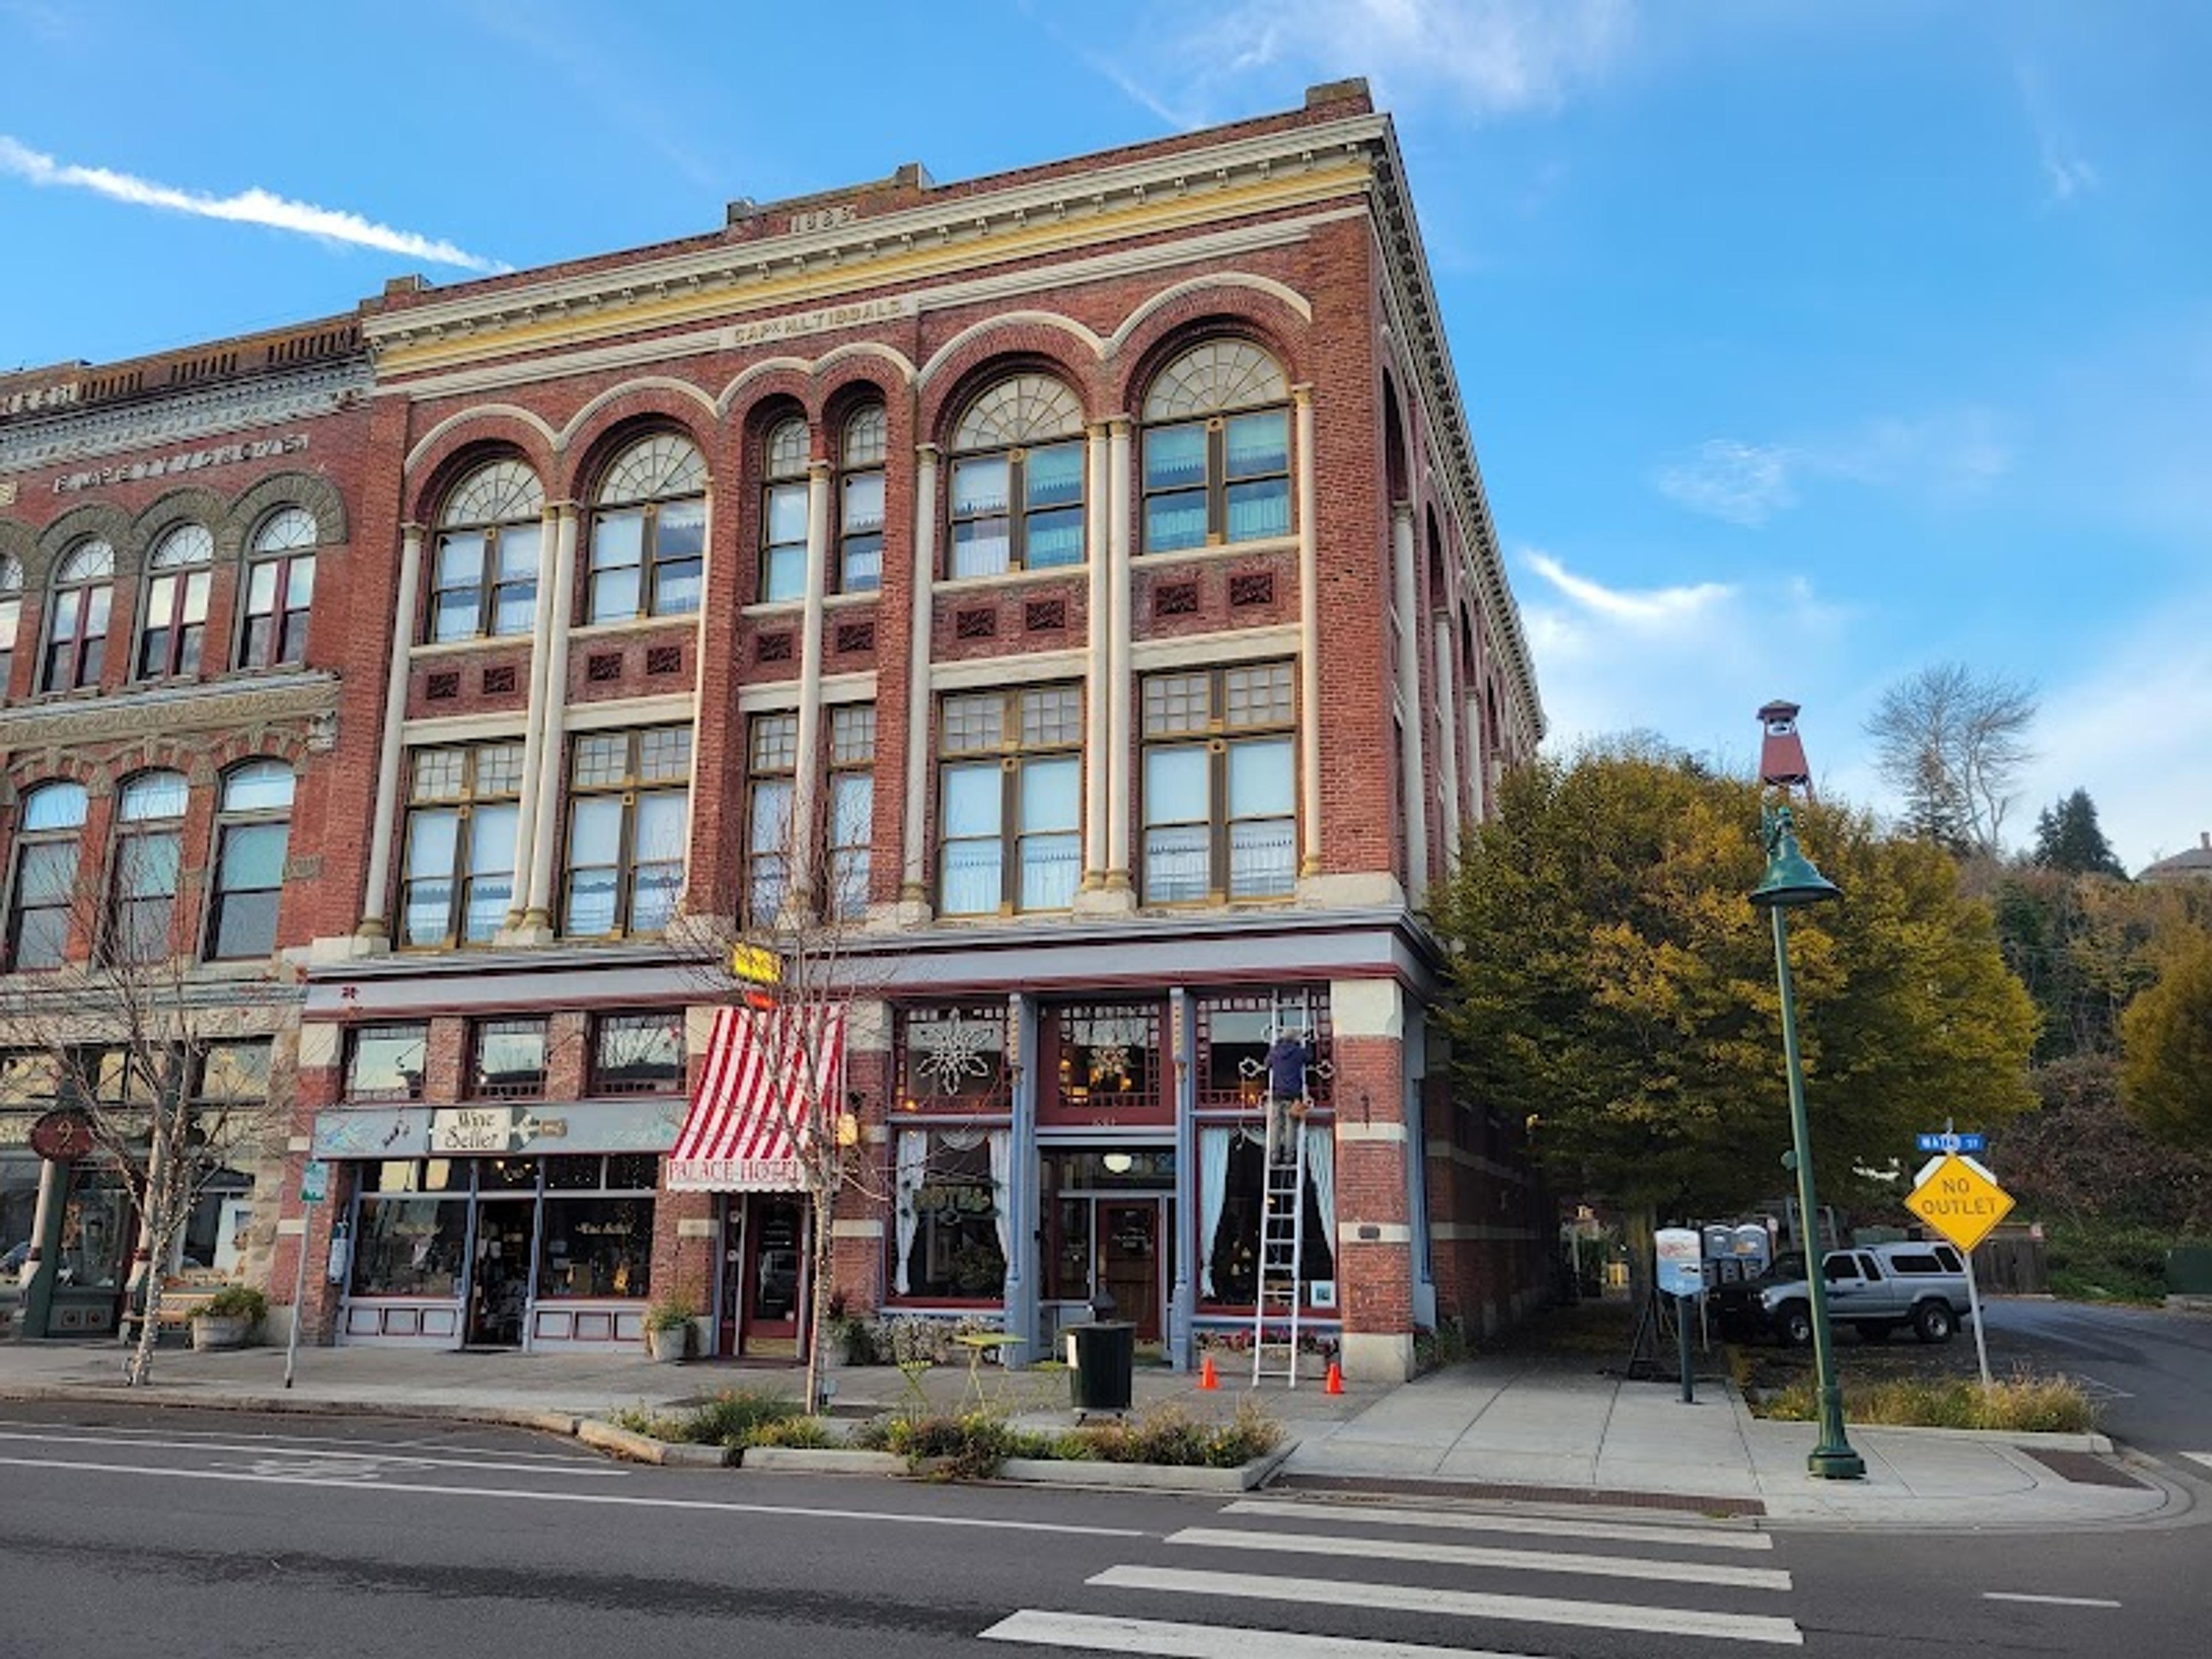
[(1103, 1364)]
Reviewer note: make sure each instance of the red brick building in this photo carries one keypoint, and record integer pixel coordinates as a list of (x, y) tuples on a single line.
[(1074, 586)]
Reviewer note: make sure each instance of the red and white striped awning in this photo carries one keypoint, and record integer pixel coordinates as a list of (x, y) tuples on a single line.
[(771, 1084)]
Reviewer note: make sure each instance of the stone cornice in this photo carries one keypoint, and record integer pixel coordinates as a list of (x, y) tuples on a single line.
[(852, 253), (166, 711), (277, 400)]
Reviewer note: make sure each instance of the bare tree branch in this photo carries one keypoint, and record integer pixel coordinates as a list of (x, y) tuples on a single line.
[(1953, 743)]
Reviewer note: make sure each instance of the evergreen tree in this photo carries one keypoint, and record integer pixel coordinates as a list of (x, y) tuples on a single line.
[(2067, 837)]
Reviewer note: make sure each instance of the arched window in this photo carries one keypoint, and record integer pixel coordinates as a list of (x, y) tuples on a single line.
[(280, 587), (860, 501), (783, 513), (176, 603), (649, 530), (76, 639), (483, 575), (1017, 479), (49, 828), (1217, 448), (149, 824), (11, 617), (252, 835)]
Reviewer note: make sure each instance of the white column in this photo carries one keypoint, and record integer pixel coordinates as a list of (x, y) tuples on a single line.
[(552, 758), (534, 730), (1097, 732), (390, 750), (1118, 677), (1448, 712), (806, 793), (1406, 576), (914, 873), (1309, 643)]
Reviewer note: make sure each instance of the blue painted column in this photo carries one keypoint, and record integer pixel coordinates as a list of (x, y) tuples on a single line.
[(1416, 1167), (1182, 1043), (1022, 1176)]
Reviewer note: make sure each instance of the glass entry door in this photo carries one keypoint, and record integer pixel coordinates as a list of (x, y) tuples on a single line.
[(499, 1280), (775, 1282)]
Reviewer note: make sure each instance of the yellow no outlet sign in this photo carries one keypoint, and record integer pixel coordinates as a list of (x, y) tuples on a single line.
[(1959, 1199)]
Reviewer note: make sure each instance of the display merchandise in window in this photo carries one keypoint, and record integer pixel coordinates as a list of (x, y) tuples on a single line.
[(952, 1208)]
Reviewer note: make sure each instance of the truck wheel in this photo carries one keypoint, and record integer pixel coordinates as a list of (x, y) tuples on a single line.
[(1794, 1324), (1933, 1321)]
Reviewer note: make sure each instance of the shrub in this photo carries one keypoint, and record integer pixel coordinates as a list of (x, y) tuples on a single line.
[(732, 1417), (969, 1447), (2018, 1405), (803, 1433), (671, 1312), (236, 1301), (1169, 1436)]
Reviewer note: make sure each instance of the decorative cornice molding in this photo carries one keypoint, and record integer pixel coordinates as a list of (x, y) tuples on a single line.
[(221, 706), (181, 418)]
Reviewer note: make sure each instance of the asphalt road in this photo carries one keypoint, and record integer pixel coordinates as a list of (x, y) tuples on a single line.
[(2150, 1369), (127, 1531)]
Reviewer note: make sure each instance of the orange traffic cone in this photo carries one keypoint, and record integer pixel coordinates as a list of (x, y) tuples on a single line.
[(1207, 1376), (1335, 1384)]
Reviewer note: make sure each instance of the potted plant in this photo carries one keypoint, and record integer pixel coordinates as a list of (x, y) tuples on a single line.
[(668, 1328), (228, 1318)]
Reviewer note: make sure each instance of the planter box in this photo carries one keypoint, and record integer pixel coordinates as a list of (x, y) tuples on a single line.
[(219, 1331), (1145, 1477), (667, 1347)]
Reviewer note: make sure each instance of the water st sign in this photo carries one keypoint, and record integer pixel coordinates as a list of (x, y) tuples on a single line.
[(1945, 1141), (1959, 1199)]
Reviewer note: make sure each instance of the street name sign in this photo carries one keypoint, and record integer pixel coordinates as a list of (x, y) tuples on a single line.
[(1959, 1199), (1945, 1141)]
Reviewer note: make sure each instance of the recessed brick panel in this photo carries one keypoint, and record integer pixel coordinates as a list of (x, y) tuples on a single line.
[(499, 682), (855, 638), (663, 659), (601, 666), (975, 623), (1044, 617), (443, 685), (773, 648)]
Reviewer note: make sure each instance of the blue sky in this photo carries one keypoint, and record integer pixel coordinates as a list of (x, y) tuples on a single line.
[(1804, 345)]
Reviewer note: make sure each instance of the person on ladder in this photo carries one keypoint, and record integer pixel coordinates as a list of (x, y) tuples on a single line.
[(1289, 1057)]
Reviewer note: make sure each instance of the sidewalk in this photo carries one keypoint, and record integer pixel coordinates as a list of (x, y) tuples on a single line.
[(1530, 1427)]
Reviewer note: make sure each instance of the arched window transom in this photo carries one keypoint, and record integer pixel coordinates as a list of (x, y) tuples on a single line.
[(1017, 495), (1217, 448), (649, 532), (484, 567)]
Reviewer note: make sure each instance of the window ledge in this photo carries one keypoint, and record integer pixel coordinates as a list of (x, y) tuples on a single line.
[(773, 608), (634, 625), (463, 648), (851, 601), (1211, 554), (1013, 579)]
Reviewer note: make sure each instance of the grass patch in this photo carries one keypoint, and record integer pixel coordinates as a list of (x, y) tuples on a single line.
[(973, 1447), (2103, 1261), (736, 1417), (2018, 1405)]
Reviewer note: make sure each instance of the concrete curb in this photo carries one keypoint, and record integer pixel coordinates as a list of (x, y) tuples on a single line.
[(1145, 1477), (823, 1459), (2049, 1439)]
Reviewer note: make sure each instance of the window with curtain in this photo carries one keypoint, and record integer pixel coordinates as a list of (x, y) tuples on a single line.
[(149, 824), (951, 1240), (483, 557), (252, 829), (629, 802), (11, 619), (464, 810), (637, 1054), (860, 501), (280, 588), (852, 825), (1220, 784), (1010, 799), (772, 757), (1017, 495), (1232, 1163), (77, 629), (648, 532), (174, 630), (784, 456), (49, 831), (1217, 448)]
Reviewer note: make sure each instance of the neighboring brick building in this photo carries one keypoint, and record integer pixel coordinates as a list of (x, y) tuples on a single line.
[(1079, 581)]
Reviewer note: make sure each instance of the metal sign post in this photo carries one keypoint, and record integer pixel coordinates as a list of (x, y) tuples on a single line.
[(1961, 1200), (314, 1185)]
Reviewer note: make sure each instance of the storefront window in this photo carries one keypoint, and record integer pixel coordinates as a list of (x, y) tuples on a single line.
[(596, 1247), (952, 1214), (99, 1225), (953, 1058), (409, 1245), (19, 1202), (1234, 1033), (1231, 1165), (1107, 1064)]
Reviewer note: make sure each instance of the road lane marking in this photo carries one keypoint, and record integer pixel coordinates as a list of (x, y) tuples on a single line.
[(2205, 1458), (1468, 1604), (1533, 1526), (265, 1448), (65, 1430), (626, 1500), (2048, 1600), (1475, 1555), (1113, 1633)]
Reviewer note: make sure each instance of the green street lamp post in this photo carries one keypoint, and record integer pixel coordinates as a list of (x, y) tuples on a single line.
[(1790, 881)]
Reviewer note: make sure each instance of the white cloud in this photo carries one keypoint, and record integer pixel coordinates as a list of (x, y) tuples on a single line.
[(1655, 609), (1939, 457), (1483, 58), (253, 206), (2066, 172)]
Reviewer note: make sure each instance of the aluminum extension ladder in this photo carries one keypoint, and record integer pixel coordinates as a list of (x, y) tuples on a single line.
[(1282, 1248)]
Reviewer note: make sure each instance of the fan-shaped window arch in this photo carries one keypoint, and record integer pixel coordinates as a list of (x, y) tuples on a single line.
[(76, 638), (178, 574), (1016, 496), (1216, 459), (11, 619), (484, 577), (784, 454), (648, 538), (149, 824), (860, 454), (49, 834), (253, 829), (280, 587)]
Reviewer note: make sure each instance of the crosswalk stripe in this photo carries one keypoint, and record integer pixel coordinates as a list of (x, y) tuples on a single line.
[(1477, 1555), (1533, 1526), (1468, 1604), (2205, 1458), (1113, 1633)]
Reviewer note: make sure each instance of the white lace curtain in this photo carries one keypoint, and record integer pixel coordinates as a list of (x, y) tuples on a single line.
[(913, 1169)]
